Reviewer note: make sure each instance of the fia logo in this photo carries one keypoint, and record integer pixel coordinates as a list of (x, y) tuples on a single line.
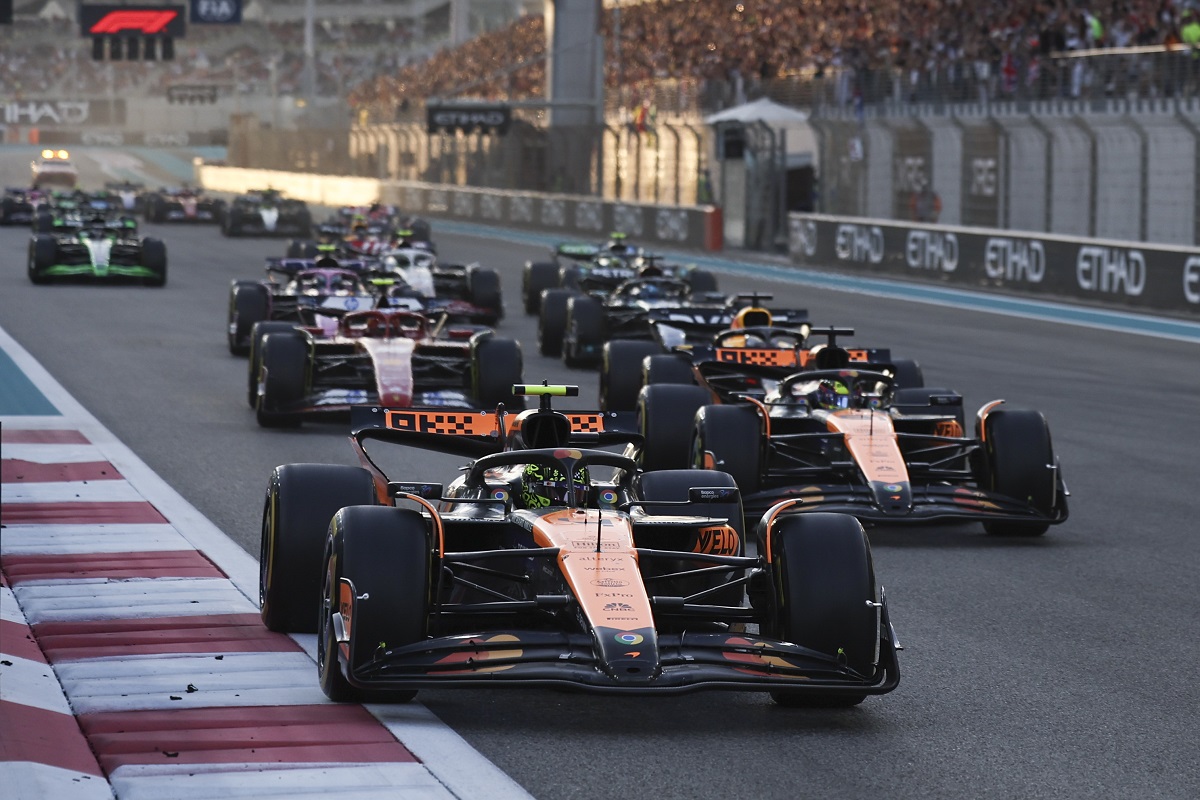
[(217, 11)]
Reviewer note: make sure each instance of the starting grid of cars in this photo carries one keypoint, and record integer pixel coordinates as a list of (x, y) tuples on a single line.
[(702, 529)]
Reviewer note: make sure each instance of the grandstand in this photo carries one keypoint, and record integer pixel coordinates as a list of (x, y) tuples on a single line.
[(44, 55)]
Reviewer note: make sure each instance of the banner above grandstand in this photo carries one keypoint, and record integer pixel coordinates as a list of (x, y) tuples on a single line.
[(468, 117), (216, 12)]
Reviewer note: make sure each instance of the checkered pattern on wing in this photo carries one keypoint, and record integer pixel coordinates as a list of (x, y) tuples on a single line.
[(586, 423), (441, 422)]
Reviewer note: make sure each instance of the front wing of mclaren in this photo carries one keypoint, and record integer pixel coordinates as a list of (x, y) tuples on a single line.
[(908, 503), (683, 663)]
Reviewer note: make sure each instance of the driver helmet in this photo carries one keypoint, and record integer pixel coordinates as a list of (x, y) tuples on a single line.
[(617, 245), (752, 317), (830, 395), (543, 486)]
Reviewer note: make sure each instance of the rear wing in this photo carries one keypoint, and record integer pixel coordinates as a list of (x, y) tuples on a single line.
[(579, 251), (476, 433), (784, 358), (290, 266)]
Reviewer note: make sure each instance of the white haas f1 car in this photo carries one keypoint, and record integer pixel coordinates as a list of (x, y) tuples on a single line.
[(529, 570)]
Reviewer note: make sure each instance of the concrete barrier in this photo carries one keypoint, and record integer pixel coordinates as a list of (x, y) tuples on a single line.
[(691, 227)]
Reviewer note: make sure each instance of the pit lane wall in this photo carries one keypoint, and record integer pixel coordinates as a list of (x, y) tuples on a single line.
[(691, 227), (1133, 276)]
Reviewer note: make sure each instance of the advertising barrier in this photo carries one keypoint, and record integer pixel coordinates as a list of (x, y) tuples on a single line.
[(696, 227), (1133, 276), (690, 227)]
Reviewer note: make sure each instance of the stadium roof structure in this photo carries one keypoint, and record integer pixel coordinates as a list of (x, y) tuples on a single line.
[(763, 109)]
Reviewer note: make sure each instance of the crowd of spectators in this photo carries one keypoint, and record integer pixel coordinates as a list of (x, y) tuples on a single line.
[(863, 49), (860, 50)]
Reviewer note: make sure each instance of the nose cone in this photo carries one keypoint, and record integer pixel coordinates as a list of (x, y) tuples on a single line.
[(893, 498), (629, 657)]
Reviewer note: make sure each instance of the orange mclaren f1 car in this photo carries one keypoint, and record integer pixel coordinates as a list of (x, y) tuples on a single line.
[(530, 569)]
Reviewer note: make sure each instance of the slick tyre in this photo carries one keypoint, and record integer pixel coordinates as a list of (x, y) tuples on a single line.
[(43, 252), (668, 368), (621, 372), (701, 281), (301, 501), (258, 332), (907, 373), (483, 290), (496, 365), (585, 331), (385, 558), (536, 277), (552, 321), (570, 277), (154, 258), (823, 584), (1019, 463), (665, 416), (673, 485), (249, 302), (729, 438), (284, 378)]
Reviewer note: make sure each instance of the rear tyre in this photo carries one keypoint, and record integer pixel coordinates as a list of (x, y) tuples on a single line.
[(585, 331), (552, 321), (823, 587), (701, 281), (666, 415), (729, 438), (154, 257), (907, 374), (43, 252), (1020, 464), (249, 302), (301, 500), (497, 365), (152, 208), (386, 556), (258, 332), (284, 379), (668, 368), (231, 223), (483, 290), (621, 373), (672, 485), (569, 278), (536, 277)]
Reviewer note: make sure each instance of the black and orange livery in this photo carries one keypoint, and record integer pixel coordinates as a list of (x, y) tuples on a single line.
[(638, 582)]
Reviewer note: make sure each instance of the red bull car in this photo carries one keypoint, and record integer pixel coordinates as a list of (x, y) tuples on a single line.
[(531, 570)]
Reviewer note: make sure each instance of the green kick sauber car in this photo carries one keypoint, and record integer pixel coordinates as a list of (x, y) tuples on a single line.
[(98, 249)]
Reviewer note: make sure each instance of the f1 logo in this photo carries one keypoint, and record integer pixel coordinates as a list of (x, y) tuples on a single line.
[(117, 20), (147, 21)]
